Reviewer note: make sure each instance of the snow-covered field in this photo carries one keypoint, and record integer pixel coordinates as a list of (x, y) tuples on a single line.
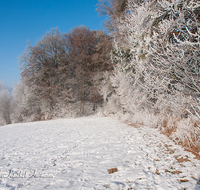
[(77, 153)]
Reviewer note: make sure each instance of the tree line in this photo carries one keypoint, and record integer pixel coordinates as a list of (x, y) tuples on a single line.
[(61, 70)]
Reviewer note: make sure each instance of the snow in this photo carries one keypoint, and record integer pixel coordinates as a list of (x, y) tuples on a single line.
[(77, 153)]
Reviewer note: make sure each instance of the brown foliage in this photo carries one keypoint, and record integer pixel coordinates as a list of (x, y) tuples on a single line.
[(112, 170), (60, 67)]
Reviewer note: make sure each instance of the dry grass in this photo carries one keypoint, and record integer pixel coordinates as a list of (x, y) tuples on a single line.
[(170, 151), (183, 180), (176, 172), (166, 145), (188, 137), (135, 125), (173, 172), (179, 160), (112, 170), (157, 172), (194, 150), (169, 127)]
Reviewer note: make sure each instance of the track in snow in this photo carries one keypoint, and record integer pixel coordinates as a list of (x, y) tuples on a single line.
[(77, 153)]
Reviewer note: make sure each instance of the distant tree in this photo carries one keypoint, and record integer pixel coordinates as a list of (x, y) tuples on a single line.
[(45, 68), (5, 104), (60, 69), (113, 9), (103, 48), (26, 105), (89, 52), (81, 46)]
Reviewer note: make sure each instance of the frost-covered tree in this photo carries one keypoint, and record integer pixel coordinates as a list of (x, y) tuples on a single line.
[(5, 104), (26, 105), (156, 56), (162, 42), (175, 49)]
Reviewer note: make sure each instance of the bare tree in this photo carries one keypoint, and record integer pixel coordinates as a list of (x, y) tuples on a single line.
[(89, 52), (60, 68), (46, 69)]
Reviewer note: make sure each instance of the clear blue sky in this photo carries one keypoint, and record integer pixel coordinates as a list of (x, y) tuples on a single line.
[(23, 20)]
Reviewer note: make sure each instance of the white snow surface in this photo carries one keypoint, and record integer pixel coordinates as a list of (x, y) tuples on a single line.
[(77, 153)]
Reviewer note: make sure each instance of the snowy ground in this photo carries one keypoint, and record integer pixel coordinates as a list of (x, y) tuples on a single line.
[(77, 153)]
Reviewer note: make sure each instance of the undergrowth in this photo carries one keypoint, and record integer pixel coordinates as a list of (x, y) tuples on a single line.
[(183, 131)]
